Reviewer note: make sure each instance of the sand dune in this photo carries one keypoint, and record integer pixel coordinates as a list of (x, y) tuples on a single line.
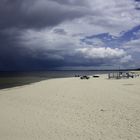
[(72, 109)]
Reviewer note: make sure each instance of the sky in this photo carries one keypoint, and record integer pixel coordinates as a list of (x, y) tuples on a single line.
[(69, 34)]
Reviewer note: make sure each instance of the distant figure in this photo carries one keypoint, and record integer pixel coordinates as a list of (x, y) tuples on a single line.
[(84, 77)]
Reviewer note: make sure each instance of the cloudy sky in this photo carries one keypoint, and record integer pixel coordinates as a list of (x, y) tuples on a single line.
[(69, 34)]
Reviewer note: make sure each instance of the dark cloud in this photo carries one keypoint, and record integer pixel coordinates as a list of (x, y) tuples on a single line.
[(19, 15), (37, 34), (13, 57), (60, 31), (137, 4), (72, 2), (37, 13)]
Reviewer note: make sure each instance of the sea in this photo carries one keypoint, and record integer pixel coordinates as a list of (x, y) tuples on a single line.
[(14, 79)]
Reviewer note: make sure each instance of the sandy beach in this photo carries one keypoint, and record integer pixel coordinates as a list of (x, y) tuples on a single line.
[(72, 109)]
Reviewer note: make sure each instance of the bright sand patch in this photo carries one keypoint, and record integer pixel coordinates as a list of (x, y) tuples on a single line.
[(72, 109)]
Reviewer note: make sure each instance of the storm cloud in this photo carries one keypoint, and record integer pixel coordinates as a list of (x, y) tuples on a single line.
[(38, 13), (54, 34)]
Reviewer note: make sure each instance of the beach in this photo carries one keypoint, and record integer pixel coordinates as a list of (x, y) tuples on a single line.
[(72, 109)]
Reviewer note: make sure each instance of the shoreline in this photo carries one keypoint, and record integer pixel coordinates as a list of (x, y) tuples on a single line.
[(71, 77), (16, 81)]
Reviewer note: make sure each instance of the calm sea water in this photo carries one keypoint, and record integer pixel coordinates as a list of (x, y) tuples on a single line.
[(13, 79)]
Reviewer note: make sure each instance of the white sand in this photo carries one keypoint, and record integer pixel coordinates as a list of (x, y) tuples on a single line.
[(72, 109)]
